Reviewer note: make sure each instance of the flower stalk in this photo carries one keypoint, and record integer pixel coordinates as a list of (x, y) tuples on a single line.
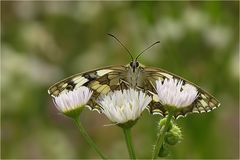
[(161, 135), (128, 138), (87, 137), (124, 107)]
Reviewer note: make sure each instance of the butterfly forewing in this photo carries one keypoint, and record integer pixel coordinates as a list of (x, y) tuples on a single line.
[(100, 81)]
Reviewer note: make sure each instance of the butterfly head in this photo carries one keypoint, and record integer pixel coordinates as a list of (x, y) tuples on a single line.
[(134, 65)]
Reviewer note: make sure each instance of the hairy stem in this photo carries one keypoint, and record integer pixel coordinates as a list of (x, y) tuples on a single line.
[(88, 138)]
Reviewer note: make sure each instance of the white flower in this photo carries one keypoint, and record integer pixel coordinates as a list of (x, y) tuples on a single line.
[(72, 100), (172, 92), (124, 106)]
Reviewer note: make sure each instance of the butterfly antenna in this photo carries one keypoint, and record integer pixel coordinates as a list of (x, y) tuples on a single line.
[(121, 45), (146, 49)]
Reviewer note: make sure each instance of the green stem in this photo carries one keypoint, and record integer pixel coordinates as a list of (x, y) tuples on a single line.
[(87, 137), (128, 138), (161, 135)]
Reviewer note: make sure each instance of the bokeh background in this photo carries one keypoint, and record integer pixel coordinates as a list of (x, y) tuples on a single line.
[(43, 42)]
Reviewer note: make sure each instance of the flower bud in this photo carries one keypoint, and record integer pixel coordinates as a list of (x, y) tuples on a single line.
[(164, 151), (171, 138), (174, 136)]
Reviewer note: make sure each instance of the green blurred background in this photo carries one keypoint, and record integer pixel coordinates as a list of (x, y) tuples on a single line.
[(43, 42)]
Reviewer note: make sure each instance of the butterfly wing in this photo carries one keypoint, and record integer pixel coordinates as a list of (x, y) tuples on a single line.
[(100, 81), (203, 103), (104, 80)]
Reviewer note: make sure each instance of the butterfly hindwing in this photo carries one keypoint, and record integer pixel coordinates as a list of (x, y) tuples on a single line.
[(203, 103)]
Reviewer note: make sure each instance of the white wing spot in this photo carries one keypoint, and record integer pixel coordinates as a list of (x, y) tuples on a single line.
[(65, 85), (103, 72), (80, 82), (195, 111), (76, 78), (204, 104), (214, 107), (155, 98), (203, 96), (80, 79)]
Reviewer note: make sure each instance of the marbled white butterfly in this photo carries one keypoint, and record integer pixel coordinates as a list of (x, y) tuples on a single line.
[(133, 75)]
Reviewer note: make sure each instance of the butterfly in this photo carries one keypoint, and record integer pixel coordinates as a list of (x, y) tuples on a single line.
[(133, 75)]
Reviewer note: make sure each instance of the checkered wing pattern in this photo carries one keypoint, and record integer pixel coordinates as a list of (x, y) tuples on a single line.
[(100, 81), (203, 103)]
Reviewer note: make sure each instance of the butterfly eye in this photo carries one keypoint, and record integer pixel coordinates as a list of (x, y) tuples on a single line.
[(137, 64), (131, 64)]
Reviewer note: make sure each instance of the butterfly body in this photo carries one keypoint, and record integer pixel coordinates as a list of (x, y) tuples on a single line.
[(133, 75)]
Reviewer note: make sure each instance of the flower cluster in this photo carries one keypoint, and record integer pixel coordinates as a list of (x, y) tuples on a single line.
[(121, 106), (124, 107)]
